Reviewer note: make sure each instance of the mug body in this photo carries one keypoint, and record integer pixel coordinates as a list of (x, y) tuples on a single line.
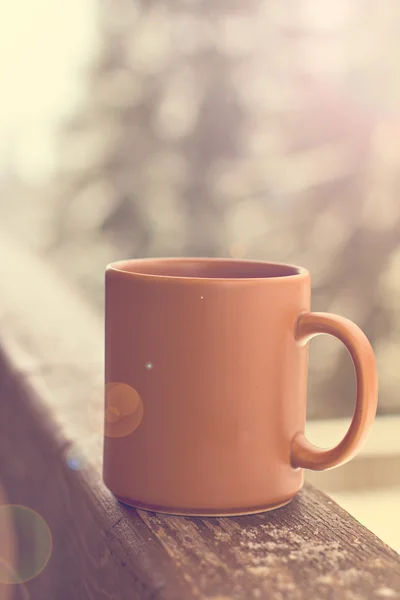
[(205, 384)]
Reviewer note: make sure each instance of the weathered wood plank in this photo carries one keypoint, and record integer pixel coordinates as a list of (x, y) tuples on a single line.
[(50, 401)]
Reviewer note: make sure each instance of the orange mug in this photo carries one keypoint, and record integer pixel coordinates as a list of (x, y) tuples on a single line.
[(206, 377)]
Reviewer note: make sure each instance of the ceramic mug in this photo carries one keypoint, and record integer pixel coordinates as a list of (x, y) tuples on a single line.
[(206, 377)]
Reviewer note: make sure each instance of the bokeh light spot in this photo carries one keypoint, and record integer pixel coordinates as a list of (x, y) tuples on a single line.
[(75, 459), (23, 592), (124, 410), (149, 366), (33, 543)]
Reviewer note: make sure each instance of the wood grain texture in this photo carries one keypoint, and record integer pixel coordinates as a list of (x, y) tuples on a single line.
[(50, 401)]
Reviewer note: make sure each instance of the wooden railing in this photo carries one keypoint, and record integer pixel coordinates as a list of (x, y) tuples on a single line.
[(51, 369)]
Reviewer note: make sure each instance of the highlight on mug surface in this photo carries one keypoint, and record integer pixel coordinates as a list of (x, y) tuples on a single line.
[(25, 544)]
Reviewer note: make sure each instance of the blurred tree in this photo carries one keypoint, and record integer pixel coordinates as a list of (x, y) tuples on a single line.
[(265, 130)]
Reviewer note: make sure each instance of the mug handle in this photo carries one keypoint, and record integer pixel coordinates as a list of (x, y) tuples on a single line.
[(303, 453)]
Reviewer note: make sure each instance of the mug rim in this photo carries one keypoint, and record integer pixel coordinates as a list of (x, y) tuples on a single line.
[(120, 267)]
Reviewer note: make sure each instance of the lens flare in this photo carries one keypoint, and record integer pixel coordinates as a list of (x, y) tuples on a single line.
[(124, 410), (7, 590), (25, 530)]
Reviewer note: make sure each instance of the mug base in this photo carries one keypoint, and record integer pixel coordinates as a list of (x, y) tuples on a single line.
[(206, 512)]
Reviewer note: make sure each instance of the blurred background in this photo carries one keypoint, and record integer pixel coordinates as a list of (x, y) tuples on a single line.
[(267, 130)]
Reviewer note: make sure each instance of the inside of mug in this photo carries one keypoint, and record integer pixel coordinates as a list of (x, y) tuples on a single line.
[(209, 268)]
